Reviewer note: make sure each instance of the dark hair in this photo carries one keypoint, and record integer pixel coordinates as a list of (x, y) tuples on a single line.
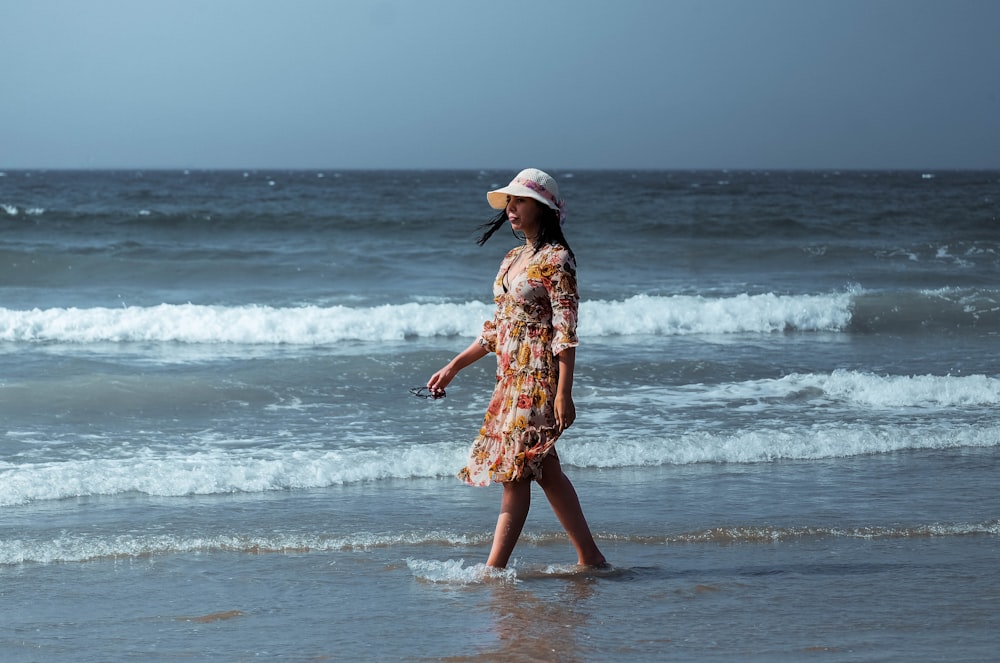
[(549, 228)]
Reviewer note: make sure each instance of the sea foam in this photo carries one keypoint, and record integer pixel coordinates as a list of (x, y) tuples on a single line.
[(226, 471), (68, 547), (316, 325), (861, 389)]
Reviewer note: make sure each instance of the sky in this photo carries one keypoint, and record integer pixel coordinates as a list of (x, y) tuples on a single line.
[(562, 84)]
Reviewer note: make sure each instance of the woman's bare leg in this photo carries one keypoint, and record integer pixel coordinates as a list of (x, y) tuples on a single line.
[(513, 512), (566, 505)]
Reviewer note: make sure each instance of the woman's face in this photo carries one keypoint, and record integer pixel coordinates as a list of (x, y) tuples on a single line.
[(524, 214)]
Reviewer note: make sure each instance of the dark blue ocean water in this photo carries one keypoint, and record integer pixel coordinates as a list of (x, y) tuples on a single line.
[(787, 441)]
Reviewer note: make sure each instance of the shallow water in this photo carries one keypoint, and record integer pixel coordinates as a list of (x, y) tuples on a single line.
[(862, 559)]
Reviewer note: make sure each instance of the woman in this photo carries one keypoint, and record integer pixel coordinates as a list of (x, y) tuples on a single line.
[(533, 334)]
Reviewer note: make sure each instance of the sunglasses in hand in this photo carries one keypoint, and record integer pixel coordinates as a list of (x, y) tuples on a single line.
[(425, 392)]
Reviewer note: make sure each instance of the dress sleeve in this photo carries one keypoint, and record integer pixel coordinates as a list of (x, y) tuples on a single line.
[(565, 300), (488, 337)]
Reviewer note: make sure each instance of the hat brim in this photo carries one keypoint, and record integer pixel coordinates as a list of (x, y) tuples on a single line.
[(498, 198)]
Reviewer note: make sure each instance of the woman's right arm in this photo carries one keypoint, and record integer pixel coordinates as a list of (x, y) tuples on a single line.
[(469, 356)]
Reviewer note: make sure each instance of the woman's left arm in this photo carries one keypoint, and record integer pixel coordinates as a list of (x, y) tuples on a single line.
[(564, 298), (565, 410)]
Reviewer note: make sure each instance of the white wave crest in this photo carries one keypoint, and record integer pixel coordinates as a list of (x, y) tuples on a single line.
[(69, 547), (226, 471), (315, 325), (769, 444), (869, 390), (686, 314), (220, 472)]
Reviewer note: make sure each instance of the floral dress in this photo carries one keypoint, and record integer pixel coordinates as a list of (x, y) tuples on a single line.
[(535, 320)]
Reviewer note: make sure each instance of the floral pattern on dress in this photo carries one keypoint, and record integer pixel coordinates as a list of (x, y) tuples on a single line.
[(535, 319)]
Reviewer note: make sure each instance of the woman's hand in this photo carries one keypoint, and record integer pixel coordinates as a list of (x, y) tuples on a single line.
[(441, 379)]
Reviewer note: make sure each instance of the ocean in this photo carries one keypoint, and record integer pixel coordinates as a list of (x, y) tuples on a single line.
[(787, 443)]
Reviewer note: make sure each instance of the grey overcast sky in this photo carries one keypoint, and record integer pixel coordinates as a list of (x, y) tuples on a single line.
[(499, 84)]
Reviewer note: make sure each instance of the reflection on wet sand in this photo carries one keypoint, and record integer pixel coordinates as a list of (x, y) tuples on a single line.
[(531, 626)]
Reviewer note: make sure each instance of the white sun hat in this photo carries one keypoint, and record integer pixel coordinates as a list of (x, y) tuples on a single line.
[(530, 183)]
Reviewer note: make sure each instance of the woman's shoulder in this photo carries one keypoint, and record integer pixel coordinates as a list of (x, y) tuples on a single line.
[(558, 254)]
